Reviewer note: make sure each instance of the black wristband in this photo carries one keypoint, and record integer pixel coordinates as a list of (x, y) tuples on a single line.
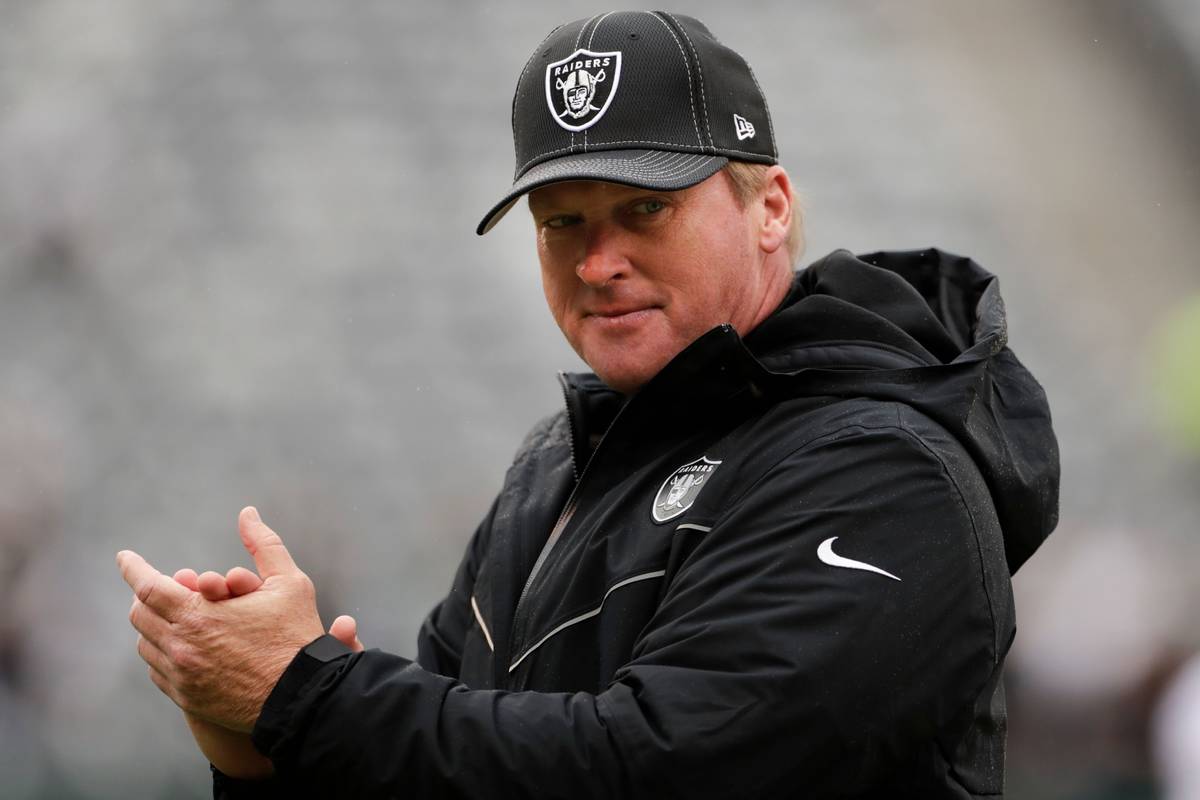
[(325, 648), (274, 720)]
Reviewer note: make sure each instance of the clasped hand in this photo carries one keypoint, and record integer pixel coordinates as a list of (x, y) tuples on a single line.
[(216, 645)]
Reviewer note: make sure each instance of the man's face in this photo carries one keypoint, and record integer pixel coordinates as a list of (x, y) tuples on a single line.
[(633, 276), (577, 97)]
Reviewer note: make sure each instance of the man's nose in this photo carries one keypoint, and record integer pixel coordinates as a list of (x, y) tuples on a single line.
[(603, 260)]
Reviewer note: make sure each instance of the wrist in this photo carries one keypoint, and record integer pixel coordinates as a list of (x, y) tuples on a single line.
[(275, 720)]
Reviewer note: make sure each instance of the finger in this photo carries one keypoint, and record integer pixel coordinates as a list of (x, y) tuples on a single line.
[(148, 623), (155, 659), (242, 581), (213, 587), (345, 630), (163, 685), (186, 577), (152, 587), (264, 545)]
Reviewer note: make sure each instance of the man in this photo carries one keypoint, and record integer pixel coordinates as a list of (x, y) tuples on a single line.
[(763, 552)]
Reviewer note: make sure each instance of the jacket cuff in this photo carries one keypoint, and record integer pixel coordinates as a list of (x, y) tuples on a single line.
[(276, 720)]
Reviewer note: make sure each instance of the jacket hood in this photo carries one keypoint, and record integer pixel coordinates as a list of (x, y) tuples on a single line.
[(925, 328)]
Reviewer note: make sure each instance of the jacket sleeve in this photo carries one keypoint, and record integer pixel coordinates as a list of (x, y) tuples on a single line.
[(765, 670), (439, 650)]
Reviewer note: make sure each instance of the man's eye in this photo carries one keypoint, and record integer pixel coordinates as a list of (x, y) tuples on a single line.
[(649, 207), (561, 221)]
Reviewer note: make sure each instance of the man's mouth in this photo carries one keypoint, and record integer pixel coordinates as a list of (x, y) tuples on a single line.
[(612, 312), (615, 316)]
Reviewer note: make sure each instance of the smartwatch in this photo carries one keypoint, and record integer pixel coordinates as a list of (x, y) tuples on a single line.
[(325, 649)]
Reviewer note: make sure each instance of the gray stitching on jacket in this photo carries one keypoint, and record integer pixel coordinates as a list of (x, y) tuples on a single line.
[(587, 614)]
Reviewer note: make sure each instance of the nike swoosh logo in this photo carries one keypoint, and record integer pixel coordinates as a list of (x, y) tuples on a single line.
[(827, 556)]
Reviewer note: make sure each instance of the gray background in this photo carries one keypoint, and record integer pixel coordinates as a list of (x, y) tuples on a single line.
[(237, 265)]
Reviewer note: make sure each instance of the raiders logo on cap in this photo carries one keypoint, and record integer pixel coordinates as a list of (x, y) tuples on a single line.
[(580, 88), (681, 489)]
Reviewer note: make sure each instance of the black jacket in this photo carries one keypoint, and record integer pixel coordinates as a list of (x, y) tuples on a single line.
[(781, 569)]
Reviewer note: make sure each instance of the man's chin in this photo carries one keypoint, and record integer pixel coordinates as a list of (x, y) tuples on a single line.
[(627, 358), (627, 378)]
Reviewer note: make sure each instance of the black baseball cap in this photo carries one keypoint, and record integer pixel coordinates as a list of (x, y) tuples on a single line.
[(644, 98)]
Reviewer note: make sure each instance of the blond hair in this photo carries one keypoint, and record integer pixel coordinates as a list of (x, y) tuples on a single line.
[(747, 180)]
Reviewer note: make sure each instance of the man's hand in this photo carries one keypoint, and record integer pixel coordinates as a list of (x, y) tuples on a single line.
[(239, 581), (219, 660), (232, 752)]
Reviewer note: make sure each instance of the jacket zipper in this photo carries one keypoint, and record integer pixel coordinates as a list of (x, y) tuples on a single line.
[(571, 423), (569, 509)]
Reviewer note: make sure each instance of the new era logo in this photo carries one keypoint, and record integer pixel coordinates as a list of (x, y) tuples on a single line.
[(743, 127)]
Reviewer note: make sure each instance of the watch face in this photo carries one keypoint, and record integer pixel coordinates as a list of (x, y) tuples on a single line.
[(327, 648)]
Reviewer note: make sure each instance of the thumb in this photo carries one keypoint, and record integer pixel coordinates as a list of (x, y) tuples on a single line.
[(264, 545), (345, 630)]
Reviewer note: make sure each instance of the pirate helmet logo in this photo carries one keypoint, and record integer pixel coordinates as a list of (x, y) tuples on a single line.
[(580, 88), (681, 488)]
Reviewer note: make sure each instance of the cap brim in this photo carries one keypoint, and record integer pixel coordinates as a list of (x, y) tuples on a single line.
[(646, 169)]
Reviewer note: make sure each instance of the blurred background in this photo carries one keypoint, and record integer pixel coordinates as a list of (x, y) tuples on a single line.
[(237, 265)]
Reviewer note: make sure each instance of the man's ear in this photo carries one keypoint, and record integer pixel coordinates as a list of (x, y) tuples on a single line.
[(778, 204)]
